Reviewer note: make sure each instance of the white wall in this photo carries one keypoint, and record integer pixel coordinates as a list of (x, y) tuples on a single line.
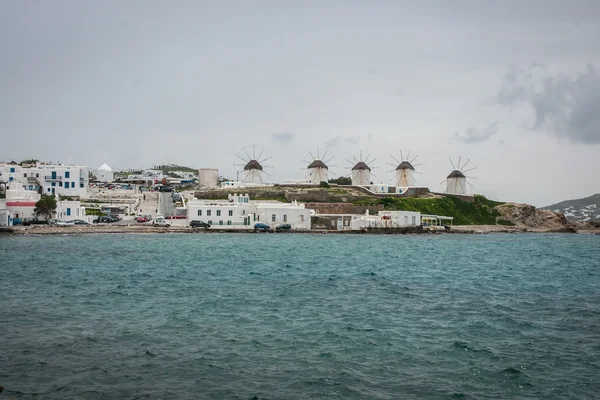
[(361, 177), (105, 176), (77, 180), (456, 185), (208, 177), (404, 178)]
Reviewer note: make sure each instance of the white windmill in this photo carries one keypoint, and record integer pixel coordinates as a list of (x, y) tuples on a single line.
[(361, 172), (457, 181), (253, 166), (318, 168), (405, 172)]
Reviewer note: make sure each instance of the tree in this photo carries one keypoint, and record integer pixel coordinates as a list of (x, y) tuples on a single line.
[(45, 206), (342, 180)]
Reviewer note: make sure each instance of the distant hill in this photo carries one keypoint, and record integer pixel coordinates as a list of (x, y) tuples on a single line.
[(582, 210)]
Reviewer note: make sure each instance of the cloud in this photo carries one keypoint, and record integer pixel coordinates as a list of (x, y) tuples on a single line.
[(283, 138), (474, 135), (565, 106), (338, 140)]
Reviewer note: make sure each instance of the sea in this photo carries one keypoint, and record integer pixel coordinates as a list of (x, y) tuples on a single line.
[(300, 316)]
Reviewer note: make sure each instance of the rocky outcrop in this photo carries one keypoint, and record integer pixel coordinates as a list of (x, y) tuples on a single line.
[(527, 216)]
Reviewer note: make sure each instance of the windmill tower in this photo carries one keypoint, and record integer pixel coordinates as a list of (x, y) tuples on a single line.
[(457, 181), (318, 168), (253, 171), (361, 172), (405, 172)]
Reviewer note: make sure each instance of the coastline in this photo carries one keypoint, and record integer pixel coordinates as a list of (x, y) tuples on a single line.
[(146, 229)]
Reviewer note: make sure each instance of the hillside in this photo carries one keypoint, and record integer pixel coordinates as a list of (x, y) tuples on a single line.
[(480, 212), (586, 209)]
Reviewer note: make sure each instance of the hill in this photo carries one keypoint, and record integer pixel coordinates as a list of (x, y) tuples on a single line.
[(586, 209)]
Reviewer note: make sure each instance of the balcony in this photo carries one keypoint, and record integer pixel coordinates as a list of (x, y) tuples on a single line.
[(53, 178)]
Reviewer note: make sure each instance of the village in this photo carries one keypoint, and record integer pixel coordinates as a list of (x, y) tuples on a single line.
[(162, 198)]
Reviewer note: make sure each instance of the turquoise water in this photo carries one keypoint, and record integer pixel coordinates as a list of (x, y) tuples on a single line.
[(277, 316)]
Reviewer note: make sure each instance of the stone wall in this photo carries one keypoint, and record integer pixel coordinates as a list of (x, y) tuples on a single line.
[(463, 197), (343, 208)]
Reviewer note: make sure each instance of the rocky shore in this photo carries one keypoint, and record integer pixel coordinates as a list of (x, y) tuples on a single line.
[(148, 229)]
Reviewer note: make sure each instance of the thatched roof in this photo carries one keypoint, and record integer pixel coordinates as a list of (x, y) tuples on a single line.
[(253, 164), (317, 164), (405, 165), (361, 166), (456, 174)]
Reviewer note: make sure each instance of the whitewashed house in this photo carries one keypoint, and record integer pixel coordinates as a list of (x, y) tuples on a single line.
[(105, 174), (238, 211), (20, 203), (50, 179)]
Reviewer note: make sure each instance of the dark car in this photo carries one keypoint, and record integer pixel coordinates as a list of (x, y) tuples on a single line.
[(165, 189), (106, 218), (34, 221), (199, 224), (283, 228), (262, 227)]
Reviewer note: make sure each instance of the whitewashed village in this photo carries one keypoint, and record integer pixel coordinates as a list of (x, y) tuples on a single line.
[(172, 198), (166, 197)]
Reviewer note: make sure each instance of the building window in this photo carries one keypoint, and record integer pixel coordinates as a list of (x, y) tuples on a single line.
[(37, 175), (273, 216), (243, 212), (228, 222), (210, 222), (48, 189), (67, 174), (284, 217), (68, 211), (231, 213), (208, 213), (60, 184), (12, 169), (24, 174), (302, 218), (72, 184), (81, 185), (219, 214), (220, 222), (53, 183), (199, 213)]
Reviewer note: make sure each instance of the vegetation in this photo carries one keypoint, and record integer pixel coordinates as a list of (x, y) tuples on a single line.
[(479, 212), (173, 167), (324, 184), (94, 211), (342, 180), (68, 198), (46, 206), (29, 161)]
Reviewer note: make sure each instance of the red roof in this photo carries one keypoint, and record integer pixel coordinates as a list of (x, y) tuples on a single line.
[(20, 204)]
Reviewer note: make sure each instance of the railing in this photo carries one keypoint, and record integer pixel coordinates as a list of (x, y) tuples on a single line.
[(53, 178)]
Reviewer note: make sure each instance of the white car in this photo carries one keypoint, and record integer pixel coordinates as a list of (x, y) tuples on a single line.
[(161, 222)]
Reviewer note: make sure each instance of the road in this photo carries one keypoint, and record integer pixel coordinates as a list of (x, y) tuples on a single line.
[(166, 206)]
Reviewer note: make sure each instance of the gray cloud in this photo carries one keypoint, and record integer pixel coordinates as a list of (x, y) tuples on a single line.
[(338, 140), (474, 135), (563, 105), (283, 138)]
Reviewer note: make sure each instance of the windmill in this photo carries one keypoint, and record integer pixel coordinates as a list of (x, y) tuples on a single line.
[(361, 172), (253, 165), (318, 168), (405, 172), (457, 181)]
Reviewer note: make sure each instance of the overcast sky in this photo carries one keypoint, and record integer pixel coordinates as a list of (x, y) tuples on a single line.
[(512, 85)]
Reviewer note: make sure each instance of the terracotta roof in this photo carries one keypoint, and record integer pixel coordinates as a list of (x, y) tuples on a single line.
[(405, 165), (253, 164), (456, 174), (361, 166), (317, 164)]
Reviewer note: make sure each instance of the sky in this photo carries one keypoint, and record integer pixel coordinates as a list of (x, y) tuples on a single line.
[(513, 86)]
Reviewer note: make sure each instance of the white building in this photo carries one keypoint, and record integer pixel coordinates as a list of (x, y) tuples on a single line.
[(208, 177), (387, 219), (50, 179), (20, 203), (105, 174), (239, 212)]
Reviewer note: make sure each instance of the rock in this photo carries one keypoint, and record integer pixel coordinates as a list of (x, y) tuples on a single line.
[(527, 216)]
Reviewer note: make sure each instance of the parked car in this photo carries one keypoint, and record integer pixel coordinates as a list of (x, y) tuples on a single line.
[(80, 222), (142, 218), (165, 189), (283, 228), (262, 227), (106, 218), (199, 224), (161, 222), (34, 221), (58, 222)]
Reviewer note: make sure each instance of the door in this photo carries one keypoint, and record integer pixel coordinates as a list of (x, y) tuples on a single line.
[(53, 174)]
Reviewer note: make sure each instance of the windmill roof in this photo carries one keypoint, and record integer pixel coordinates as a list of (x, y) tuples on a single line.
[(317, 164), (105, 167), (405, 165), (253, 164), (456, 174), (361, 165)]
